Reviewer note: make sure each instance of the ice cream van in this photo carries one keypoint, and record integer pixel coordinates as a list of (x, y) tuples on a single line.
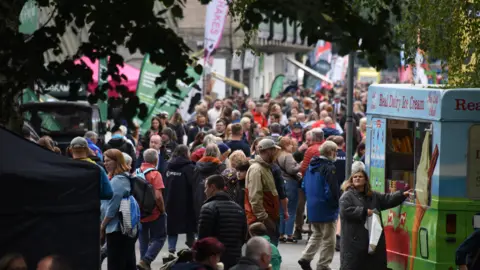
[(429, 140)]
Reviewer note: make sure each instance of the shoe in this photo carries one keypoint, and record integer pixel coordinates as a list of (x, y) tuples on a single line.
[(282, 239), (297, 235), (143, 266), (291, 241), (305, 264)]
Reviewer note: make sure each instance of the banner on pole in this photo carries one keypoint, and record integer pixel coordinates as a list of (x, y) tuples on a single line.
[(147, 89), (277, 86), (215, 18)]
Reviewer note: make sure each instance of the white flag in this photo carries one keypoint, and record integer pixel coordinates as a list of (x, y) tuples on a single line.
[(217, 11)]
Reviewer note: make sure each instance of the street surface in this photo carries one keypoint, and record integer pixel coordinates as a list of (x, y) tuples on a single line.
[(290, 255)]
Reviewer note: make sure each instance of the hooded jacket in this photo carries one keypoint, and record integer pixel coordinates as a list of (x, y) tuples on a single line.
[(261, 196), (321, 190), (179, 184), (205, 167), (224, 219), (123, 145)]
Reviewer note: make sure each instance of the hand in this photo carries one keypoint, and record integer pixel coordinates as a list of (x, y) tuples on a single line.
[(369, 212), (102, 234), (408, 192), (303, 147), (285, 216), (462, 267)]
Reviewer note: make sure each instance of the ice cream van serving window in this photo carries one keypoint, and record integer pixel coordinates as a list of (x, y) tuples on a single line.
[(408, 151)]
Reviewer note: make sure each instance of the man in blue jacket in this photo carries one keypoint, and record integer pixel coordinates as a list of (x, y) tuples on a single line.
[(322, 193), (340, 164), (467, 256)]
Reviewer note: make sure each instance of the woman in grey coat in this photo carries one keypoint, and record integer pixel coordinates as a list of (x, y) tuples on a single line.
[(356, 204)]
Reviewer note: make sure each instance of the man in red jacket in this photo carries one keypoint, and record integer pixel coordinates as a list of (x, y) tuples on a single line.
[(312, 151)]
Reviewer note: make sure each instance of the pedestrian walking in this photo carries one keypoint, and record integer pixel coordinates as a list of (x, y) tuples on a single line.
[(179, 186), (120, 247), (153, 232), (119, 142), (224, 219), (356, 204), (322, 193), (261, 201), (317, 139), (290, 173), (208, 165)]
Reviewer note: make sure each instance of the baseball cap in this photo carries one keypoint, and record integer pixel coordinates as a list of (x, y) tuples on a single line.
[(267, 144), (79, 142)]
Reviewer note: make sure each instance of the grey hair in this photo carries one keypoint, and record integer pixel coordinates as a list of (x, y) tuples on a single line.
[(236, 114), (210, 138), (317, 135), (150, 156), (327, 148), (212, 150), (91, 135), (128, 159), (256, 247)]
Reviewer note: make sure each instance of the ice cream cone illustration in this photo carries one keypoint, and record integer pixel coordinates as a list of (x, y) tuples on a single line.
[(424, 177)]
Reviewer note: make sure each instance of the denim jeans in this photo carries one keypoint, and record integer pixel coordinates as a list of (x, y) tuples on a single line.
[(152, 237), (172, 241), (291, 188)]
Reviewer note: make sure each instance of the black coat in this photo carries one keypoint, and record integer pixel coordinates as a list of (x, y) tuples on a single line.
[(354, 241), (179, 197), (122, 145), (193, 131), (205, 167), (224, 219)]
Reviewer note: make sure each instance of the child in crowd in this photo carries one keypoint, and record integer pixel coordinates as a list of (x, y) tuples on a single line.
[(259, 229)]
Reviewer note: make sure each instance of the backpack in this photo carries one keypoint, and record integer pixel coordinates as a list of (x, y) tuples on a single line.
[(143, 192)]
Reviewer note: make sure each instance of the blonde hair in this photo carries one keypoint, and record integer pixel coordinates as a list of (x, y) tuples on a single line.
[(328, 147), (236, 157)]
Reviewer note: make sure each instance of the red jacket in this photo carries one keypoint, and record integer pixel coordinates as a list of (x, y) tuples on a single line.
[(311, 152), (259, 118)]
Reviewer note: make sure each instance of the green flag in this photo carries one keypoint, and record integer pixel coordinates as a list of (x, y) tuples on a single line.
[(146, 90), (29, 18), (277, 86)]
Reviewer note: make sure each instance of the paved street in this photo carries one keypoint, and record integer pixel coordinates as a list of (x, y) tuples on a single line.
[(290, 255)]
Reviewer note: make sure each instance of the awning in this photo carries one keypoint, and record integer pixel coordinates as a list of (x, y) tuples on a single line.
[(231, 82), (309, 70)]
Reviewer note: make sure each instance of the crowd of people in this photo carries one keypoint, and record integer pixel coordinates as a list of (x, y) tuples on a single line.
[(240, 173)]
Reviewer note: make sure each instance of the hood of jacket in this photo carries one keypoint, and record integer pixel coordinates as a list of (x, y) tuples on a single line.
[(220, 196), (260, 161), (319, 161), (117, 142), (208, 165), (177, 163)]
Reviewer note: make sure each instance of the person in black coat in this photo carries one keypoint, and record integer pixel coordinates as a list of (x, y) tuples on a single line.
[(200, 126), (224, 219), (178, 191), (119, 142), (357, 203), (208, 165)]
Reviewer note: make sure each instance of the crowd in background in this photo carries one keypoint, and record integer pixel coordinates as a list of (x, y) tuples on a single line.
[(239, 173)]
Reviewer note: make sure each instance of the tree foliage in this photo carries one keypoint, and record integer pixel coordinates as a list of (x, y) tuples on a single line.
[(110, 24), (133, 24), (447, 30), (355, 25)]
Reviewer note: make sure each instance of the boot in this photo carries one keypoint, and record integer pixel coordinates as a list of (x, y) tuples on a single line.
[(337, 243)]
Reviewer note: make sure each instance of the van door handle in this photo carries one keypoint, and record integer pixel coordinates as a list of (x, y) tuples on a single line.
[(451, 240)]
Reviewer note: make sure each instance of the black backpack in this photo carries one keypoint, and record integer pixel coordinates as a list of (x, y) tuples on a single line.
[(143, 192)]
